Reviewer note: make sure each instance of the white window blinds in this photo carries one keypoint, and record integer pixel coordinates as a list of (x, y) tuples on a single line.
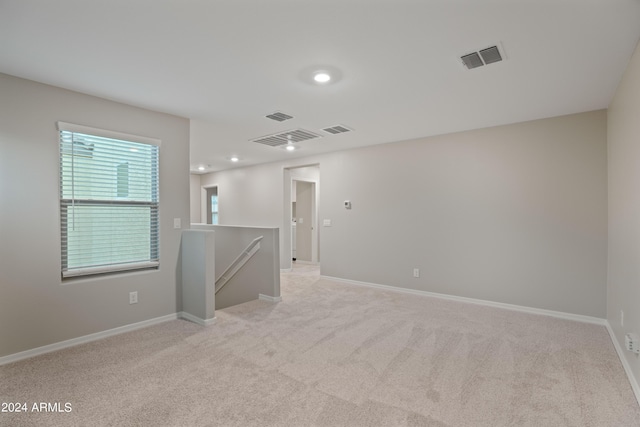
[(108, 201)]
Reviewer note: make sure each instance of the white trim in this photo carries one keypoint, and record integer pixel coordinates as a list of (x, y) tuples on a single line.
[(625, 364), (286, 247), (513, 307), (70, 127), (84, 339), (299, 261), (191, 318), (75, 272), (314, 211), (269, 298), (286, 270)]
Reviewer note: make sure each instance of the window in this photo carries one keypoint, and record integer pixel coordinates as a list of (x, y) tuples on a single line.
[(214, 209), (123, 180), (212, 205), (108, 201)]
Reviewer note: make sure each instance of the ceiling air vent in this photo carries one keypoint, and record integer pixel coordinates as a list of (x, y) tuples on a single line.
[(334, 130), (491, 55), (279, 116), (297, 135), (484, 57), (472, 60)]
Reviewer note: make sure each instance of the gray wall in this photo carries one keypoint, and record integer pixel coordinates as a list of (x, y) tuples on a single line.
[(36, 308), (254, 197), (198, 282), (245, 199), (514, 214), (194, 197), (624, 208)]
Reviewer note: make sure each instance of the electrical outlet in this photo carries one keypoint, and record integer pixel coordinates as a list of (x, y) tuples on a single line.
[(416, 272), (621, 317), (632, 343), (133, 297)]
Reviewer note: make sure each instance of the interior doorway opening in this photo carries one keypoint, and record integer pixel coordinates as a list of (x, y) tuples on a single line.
[(300, 226), (212, 205), (209, 205), (303, 220)]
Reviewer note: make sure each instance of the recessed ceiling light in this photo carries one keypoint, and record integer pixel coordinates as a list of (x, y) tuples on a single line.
[(201, 168), (290, 146), (234, 159), (321, 77)]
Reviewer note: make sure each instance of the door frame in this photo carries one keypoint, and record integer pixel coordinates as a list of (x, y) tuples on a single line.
[(314, 217), (204, 202), (289, 176)]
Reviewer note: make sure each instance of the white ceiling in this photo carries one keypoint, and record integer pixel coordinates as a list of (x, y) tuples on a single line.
[(226, 64)]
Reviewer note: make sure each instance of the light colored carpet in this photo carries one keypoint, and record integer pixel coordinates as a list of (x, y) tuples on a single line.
[(333, 354)]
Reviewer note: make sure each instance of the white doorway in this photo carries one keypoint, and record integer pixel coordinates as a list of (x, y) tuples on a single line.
[(300, 224), (209, 205), (303, 220)]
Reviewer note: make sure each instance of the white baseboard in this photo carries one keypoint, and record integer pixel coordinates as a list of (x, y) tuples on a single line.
[(84, 339), (286, 270), (191, 318), (299, 261), (625, 364), (513, 307), (269, 298)]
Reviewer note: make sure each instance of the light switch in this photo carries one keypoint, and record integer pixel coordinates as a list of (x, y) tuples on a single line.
[(177, 223), (300, 221), (326, 223)]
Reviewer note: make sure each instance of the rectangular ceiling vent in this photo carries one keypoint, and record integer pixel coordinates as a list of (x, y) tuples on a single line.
[(334, 130), (483, 57), (282, 138), (491, 55), (279, 116)]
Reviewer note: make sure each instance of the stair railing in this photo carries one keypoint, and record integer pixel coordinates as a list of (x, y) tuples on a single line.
[(238, 263)]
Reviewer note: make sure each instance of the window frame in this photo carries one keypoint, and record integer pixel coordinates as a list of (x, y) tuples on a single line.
[(154, 205)]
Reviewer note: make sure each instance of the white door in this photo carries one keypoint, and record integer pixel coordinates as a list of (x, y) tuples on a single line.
[(305, 195)]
